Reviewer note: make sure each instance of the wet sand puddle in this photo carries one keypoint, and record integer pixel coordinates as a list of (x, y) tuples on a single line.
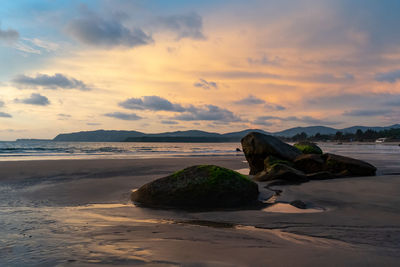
[(95, 234)]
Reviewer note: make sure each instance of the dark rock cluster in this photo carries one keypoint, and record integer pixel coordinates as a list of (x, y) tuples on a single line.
[(271, 159), (209, 186)]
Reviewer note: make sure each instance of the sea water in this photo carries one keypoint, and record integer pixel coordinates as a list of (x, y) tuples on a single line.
[(45, 150)]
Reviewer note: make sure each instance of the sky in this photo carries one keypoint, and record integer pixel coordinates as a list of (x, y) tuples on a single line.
[(219, 66)]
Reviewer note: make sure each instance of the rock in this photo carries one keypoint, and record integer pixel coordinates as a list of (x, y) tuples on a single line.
[(324, 175), (238, 150), (257, 147), (298, 204), (271, 160), (348, 166), (202, 186), (308, 148), (310, 163), (281, 171)]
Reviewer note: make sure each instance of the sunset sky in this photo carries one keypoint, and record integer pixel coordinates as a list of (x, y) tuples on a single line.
[(220, 66)]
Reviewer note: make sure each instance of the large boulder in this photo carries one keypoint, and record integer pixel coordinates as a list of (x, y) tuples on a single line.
[(345, 166), (202, 186), (308, 147), (257, 147), (310, 163), (281, 171)]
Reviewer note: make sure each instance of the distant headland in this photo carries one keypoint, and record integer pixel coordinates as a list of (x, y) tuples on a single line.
[(315, 133)]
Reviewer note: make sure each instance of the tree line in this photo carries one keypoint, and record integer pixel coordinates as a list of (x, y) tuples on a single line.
[(359, 136)]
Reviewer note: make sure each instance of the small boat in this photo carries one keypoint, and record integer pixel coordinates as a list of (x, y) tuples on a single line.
[(380, 140)]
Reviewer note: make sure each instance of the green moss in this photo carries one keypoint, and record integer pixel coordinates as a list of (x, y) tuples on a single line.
[(217, 174), (274, 165), (218, 178), (308, 148), (270, 161), (177, 173)]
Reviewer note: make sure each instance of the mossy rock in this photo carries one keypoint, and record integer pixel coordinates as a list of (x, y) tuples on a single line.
[(279, 171), (257, 147), (310, 163), (308, 148), (348, 167), (271, 160), (200, 186)]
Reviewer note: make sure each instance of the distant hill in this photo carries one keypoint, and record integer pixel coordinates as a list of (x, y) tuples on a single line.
[(32, 140), (311, 130), (354, 129), (243, 133), (199, 136), (190, 133), (134, 136), (98, 136), (193, 136)]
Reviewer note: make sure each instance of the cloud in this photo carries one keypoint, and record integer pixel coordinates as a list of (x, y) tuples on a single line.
[(1, 103), (377, 20), (154, 103), (188, 113), (169, 122), (271, 106), (34, 99), (42, 44), (264, 60), (5, 115), (21, 46), (62, 116), (95, 31), (328, 78), (250, 100), (367, 112), (124, 116), (264, 120), (206, 84), (184, 25), (13, 131), (50, 82), (394, 101), (241, 74), (35, 46), (93, 123), (208, 113), (253, 100), (260, 121), (356, 101), (9, 35), (390, 77), (311, 120)]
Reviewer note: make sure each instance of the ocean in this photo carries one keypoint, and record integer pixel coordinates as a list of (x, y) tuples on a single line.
[(48, 150), (51, 150)]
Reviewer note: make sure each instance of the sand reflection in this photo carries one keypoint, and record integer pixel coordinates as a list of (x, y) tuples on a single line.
[(288, 208)]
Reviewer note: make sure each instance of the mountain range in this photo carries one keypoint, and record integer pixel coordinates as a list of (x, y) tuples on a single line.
[(199, 136)]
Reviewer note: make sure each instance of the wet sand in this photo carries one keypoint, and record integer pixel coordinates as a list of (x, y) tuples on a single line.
[(78, 213)]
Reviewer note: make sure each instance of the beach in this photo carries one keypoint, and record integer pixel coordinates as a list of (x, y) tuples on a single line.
[(78, 213)]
